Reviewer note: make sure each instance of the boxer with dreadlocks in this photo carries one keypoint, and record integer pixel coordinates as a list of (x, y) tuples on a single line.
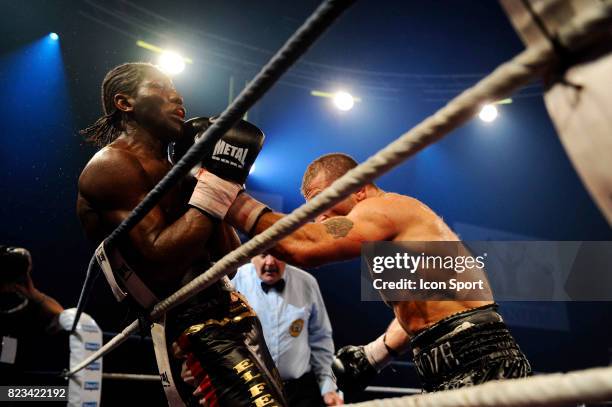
[(216, 332)]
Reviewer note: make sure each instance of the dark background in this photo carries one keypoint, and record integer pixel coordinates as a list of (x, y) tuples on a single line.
[(404, 59)]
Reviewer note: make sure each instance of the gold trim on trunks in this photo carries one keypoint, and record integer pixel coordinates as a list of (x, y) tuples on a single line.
[(198, 327)]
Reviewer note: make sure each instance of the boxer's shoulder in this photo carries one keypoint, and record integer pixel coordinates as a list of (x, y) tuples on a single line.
[(110, 159), (370, 219), (404, 204), (386, 206), (393, 198), (110, 169), (385, 216)]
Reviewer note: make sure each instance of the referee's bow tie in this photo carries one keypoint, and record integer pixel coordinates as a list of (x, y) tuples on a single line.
[(278, 286)]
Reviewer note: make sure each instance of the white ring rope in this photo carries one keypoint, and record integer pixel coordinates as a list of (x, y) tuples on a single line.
[(505, 79), (396, 390), (132, 376), (559, 389)]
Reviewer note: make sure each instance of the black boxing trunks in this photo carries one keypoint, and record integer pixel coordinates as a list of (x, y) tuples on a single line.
[(226, 359), (216, 338), (466, 349)]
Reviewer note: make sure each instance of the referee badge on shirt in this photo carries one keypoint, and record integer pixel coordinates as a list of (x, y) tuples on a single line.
[(296, 327)]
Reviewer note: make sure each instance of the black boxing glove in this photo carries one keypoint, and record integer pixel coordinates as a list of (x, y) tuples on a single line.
[(225, 167), (231, 158), (352, 369), (192, 129)]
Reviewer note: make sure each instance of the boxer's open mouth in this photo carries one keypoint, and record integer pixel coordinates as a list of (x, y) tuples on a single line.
[(180, 112)]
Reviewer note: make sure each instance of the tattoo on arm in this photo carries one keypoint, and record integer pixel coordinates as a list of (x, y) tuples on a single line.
[(338, 227)]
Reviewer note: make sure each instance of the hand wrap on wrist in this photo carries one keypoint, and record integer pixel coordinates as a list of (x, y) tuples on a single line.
[(213, 194), (245, 211)]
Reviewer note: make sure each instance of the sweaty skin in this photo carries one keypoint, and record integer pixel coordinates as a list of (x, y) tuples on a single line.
[(370, 214), (172, 238)]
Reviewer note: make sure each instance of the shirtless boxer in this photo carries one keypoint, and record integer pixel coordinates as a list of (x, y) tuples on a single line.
[(216, 331), (455, 343)]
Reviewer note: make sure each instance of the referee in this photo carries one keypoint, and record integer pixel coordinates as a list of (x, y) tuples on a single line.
[(296, 328)]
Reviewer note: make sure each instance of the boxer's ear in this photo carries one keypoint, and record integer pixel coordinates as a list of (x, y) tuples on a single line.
[(361, 194), (122, 102)]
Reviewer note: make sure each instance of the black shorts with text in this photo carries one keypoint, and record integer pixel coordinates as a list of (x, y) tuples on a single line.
[(225, 360), (466, 349)]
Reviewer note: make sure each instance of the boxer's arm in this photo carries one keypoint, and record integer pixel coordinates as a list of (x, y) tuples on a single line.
[(226, 240), (397, 338), (335, 239), (114, 183)]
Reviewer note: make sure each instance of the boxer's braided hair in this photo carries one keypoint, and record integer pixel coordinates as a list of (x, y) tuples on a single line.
[(124, 78)]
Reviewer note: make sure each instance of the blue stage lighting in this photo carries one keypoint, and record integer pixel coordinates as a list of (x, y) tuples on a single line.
[(54, 36)]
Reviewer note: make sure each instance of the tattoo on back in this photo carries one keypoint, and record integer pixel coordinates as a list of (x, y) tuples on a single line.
[(338, 227)]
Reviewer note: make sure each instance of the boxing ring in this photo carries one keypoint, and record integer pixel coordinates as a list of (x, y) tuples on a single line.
[(591, 385), (535, 61)]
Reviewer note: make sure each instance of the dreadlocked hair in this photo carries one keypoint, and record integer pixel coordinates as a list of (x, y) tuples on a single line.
[(124, 78)]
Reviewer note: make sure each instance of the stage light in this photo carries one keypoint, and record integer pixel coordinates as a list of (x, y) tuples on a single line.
[(252, 170), (54, 36), (171, 62), (488, 113), (344, 100)]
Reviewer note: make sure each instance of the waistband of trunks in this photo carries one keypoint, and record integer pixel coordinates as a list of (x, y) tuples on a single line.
[(454, 324), (464, 344)]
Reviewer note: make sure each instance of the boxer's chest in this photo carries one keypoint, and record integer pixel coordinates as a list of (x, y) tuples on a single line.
[(174, 202)]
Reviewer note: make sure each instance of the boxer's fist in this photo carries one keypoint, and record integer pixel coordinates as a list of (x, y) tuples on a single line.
[(225, 167), (191, 129), (352, 369), (232, 157)]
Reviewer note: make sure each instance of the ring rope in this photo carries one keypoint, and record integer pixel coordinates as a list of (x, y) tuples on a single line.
[(393, 390), (88, 284), (132, 376), (558, 389), (509, 76), (321, 19)]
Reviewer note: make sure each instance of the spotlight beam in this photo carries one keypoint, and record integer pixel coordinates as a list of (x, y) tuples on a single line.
[(322, 94), (158, 50)]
